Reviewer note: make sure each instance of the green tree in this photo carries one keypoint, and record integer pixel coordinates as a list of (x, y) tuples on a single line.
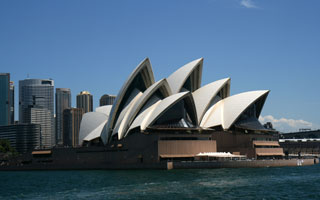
[(5, 147)]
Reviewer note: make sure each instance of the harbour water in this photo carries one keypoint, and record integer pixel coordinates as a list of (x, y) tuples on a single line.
[(244, 183)]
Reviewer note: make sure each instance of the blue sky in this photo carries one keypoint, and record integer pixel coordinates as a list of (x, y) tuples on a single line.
[(94, 46)]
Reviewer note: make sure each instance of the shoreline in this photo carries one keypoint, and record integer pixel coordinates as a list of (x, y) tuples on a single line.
[(170, 165)]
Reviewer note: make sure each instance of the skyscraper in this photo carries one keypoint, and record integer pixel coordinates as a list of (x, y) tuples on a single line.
[(4, 98), (11, 103), (36, 106), (63, 101), (85, 101), (71, 126), (22, 137), (107, 100)]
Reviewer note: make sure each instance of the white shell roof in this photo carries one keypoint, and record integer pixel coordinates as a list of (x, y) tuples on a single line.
[(163, 106), (124, 113), (96, 133), (228, 110), (104, 109), (139, 103), (143, 117), (91, 125), (145, 69), (177, 79), (204, 95)]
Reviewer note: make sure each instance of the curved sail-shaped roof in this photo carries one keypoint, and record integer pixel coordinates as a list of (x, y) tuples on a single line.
[(158, 90), (204, 97), (96, 133), (169, 102), (228, 110), (143, 117), (139, 80), (125, 112), (104, 109), (91, 126), (175, 102), (186, 78)]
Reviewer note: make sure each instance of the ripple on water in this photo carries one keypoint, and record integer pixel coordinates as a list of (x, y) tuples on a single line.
[(254, 183)]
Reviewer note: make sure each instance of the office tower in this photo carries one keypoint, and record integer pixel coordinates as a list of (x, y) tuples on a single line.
[(71, 126), (22, 137), (63, 101), (38, 115), (11, 104), (36, 106), (4, 98), (107, 100), (85, 101)]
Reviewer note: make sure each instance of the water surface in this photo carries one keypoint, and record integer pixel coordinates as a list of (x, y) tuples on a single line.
[(245, 183)]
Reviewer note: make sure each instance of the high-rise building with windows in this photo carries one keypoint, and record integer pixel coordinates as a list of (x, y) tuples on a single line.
[(63, 101), (22, 137), (36, 106), (11, 103), (4, 98), (107, 100), (85, 101), (71, 126)]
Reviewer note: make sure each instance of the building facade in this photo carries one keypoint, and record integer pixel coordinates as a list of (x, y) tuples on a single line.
[(304, 142), (22, 137), (4, 98), (63, 101), (107, 100), (85, 101), (71, 126), (11, 103), (43, 117), (36, 105)]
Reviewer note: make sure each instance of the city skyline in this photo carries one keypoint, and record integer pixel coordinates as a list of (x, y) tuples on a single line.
[(274, 43)]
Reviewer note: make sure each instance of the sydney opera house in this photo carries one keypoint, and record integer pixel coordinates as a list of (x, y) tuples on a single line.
[(177, 118), (171, 123)]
